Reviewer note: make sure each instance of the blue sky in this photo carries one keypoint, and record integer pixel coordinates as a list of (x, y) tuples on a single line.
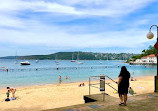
[(31, 27)]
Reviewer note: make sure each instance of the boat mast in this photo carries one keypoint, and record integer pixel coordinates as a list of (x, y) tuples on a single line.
[(16, 61), (16, 56), (55, 57), (78, 56), (72, 55)]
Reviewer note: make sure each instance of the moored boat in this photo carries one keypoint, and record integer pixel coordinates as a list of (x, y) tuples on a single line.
[(25, 63), (72, 58), (36, 61), (56, 61), (78, 60)]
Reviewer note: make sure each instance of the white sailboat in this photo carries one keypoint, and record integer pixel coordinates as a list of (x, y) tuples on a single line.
[(100, 60), (56, 61), (72, 58), (78, 62), (36, 61), (16, 61)]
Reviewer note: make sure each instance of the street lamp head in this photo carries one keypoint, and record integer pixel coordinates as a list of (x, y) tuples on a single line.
[(150, 35)]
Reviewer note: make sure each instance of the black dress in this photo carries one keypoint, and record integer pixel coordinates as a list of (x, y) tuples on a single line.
[(124, 84)]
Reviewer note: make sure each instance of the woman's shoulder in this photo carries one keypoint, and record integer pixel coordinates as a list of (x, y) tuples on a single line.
[(128, 72)]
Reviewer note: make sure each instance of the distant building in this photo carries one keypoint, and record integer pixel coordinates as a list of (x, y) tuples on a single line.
[(138, 61), (150, 59), (144, 59)]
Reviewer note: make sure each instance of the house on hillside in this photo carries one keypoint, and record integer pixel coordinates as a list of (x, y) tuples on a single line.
[(138, 61), (150, 59), (144, 59)]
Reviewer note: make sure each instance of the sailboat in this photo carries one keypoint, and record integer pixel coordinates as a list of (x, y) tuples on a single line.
[(107, 58), (72, 58), (100, 60), (79, 62), (16, 61), (57, 62), (36, 61)]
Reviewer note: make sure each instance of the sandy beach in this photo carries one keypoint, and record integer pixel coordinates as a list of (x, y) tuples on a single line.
[(55, 95)]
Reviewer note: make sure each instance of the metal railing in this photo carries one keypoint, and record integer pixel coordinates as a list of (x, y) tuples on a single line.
[(109, 84), (102, 84)]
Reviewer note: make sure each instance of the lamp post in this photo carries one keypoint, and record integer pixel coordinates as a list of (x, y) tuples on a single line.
[(150, 35)]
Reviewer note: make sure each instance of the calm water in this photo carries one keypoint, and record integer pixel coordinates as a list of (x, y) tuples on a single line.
[(45, 71)]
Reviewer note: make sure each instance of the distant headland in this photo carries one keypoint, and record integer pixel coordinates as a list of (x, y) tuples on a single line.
[(82, 56)]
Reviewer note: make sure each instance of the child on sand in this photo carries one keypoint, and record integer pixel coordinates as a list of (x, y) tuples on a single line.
[(132, 79), (79, 85), (12, 90), (7, 93), (131, 91), (82, 84)]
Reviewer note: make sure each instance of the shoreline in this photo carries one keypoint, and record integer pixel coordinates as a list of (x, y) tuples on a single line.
[(52, 84), (49, 84)]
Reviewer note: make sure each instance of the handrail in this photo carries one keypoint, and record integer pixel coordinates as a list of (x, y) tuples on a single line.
[(111, 79), (111, 86)]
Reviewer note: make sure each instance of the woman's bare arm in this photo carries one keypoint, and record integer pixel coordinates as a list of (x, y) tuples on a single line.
[(119, 80)]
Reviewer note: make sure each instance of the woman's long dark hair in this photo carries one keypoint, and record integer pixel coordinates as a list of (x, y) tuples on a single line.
[(124, 71)]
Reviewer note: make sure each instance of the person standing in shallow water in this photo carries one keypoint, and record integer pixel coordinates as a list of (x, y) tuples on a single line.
[(123, 84), (60, 79)]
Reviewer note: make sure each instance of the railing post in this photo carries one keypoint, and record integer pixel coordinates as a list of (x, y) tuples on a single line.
[(104, 96), (104, 92), (89, 86)]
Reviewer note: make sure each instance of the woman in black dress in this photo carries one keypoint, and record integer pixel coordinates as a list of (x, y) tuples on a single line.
[(123, 84)]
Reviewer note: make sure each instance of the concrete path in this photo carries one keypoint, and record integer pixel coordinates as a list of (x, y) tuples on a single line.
[(145, 102)]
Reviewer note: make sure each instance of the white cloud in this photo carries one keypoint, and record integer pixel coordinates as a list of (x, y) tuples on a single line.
[(10, 21), (57, 37), (110, 8), (36, 6), (11, 8)]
